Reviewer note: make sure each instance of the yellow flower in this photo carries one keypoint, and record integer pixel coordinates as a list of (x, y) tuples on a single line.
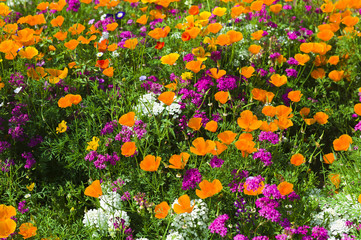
[(187, 75), (61, 127), (93, 145), (30, 187)]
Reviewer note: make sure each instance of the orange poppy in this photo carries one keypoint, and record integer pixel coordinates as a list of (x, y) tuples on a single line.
[(7, 225), (211, 126), (195, 123), (306, 47), (77, 28), (297, 159), (223, 40), (127, 119), (167, 98), (214, 27), (285, 188), (94, 189), (202, 147), (169, 59), (217, 74), (247, 72), (72, 44), (245, 146), (329, 158), (74, 99), (28, 52), (321, 117), (257, 35), (302, 58), (158, 33), (325, 35), (150, 163), (220, 147), (342, 143), (257, 5), (236, 11), (60, 35), (359, 198), (227, 137), (276, 8), (57, 22), (262, 95), (333, 60), (179, 161), (234, 36), (305, 111), (295, 96), (64, 102), (42, 6), (183, 205), (268, 127), (58, 6), (10, 28), (222, 97), (250, 192), (283, 122), (350, 21), (195, 66), (112, 26), (218, 11), (109, 72), (103, 64), (159, 45), (254, 49), (161, 210), (112, 47), (357, 109), (248, 122), (131, 43), (318, 73), (278, 80), (193, 10), (142, 20), (269, 111), (335, 179), (128, 149), (208, 189), (27, 230), (336, 75)]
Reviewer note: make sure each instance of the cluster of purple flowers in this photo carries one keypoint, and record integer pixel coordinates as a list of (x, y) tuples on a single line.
[(139, 129), (191, 179), (17, 79), (99, 160), (227, 83), (33, 142), (217, 226), (203, 84), (30, 160), (263, 155), (195, 98), (73, 5), (119, 224), (4, 145), (21, 207), (216, 162), (108, 128), (5, 165), (18, 120), (237, 185)]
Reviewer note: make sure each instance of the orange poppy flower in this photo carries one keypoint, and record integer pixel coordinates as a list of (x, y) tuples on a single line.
[(195, 66), (103, 64), (297, 159), (325, 35), (333, 60), (159, 45), (359, 198), (211, 126), (72, 44), (246, 147), (109, 72), (94, 189), (10, 28), (4, 10), (27, 230), (202, 147), (276, 8), (335, 179), (142, 20), (234, 36), (52, 48), (28, 52), (150, 163), (112, 47), (285, 188), (158, 33), (179, 161), (60, 35), (262, 95), (220, 147), (283, 122), (42, 6), (250, 192), (217, 74), (208, 189), (7, 227), (161, 210), (112, 26), (342, 143), (302, 58), (64, 102), (305, 111), (222, 97), (167, 98), (306, 47), (227, 137), (269, 111), (195, 123), (350, 21), (183, 205), (357, 109), (254, 49), (295, 96), (218, 11), (58, 6), (247, 72), (193, 10), (321, 117), (170, 59), (257, 35), (329, 158), (128, 149), (77, 28), (214, 27), (278, 80), (257, 5), (336, 75), (268, 127), (131, 43), (248, 122), (74, 99), (223, 40), (57, 22), (318, 73), (236, 11), (127, 119)]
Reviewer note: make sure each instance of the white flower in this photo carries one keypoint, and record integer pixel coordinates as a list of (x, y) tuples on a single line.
[(17, 90), (27, 195), (102, 17), (1, 104), (115, 54), (99, 54)]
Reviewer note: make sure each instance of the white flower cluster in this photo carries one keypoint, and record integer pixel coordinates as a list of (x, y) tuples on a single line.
[(149, 105), (104, 218), (335, 212), (191, 225)]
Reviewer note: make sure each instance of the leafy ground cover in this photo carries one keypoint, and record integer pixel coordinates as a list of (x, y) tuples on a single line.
[(166, 119)]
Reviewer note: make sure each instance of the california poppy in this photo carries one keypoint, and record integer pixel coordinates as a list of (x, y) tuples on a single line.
[(183, 205), (211, 126), (218, 11), (109, 72), (57, 22), (234, 36), (214, 27), (159, 45), (76, 28), (161, 210), (302, 58), (217, 74), (195, 123), (179, 161), (342, 143), (202, 147), (127, 119), (64, 102), (305, 111), (112, 26), (158, 33), (193, 10), (208, 189), (42, 6), (248, 122), (195, 66), (325, 35), (333, 60), (336, 75), (254, 49), (297, 159), (27, 230), (329, 158), (103, 64), (335, 179), (285, 188), (169, 59), (167, 98), (223, 39), (306, 47), (295, 96), (247, 72), (318, 73), (321, 117), (150, 163), (283, 122), (128, 149), (357, 108), (131, 43), (257, 35), (278, 80), (222, 97), (276, 8), (94, 189), (359, 198), (60, 35), (28, 52), (72, 44), (7, 225), (227, 137)]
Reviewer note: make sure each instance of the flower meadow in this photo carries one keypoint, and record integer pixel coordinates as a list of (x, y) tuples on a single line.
[(177, 120)]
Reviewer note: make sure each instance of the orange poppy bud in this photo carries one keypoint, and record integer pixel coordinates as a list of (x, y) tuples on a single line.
[(211, 126), (329, 158), (208, 189), (128, 149), (150, 163), (297, 159), (195, 123), (94, 189), (285, 188), (221, 97), (161, 210), (127, 119), (167, 98)]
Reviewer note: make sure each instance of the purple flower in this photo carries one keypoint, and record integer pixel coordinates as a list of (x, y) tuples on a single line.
[(253, 183), (140, 128), (35, 141), (240, 237), (271, 191), (21, 207), (108, 128), (216, 162), (191, 179), (217, 226), (292, 61), (202, 115), (260, 238), (236, 184), (4, 145), (268, 136), (203, 84), (30, 160), (189, 57), (264, 156), (227, 83), (5, 165), (319, 233), (124, 135), (358, 126), (73, 5), (291, 72)]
